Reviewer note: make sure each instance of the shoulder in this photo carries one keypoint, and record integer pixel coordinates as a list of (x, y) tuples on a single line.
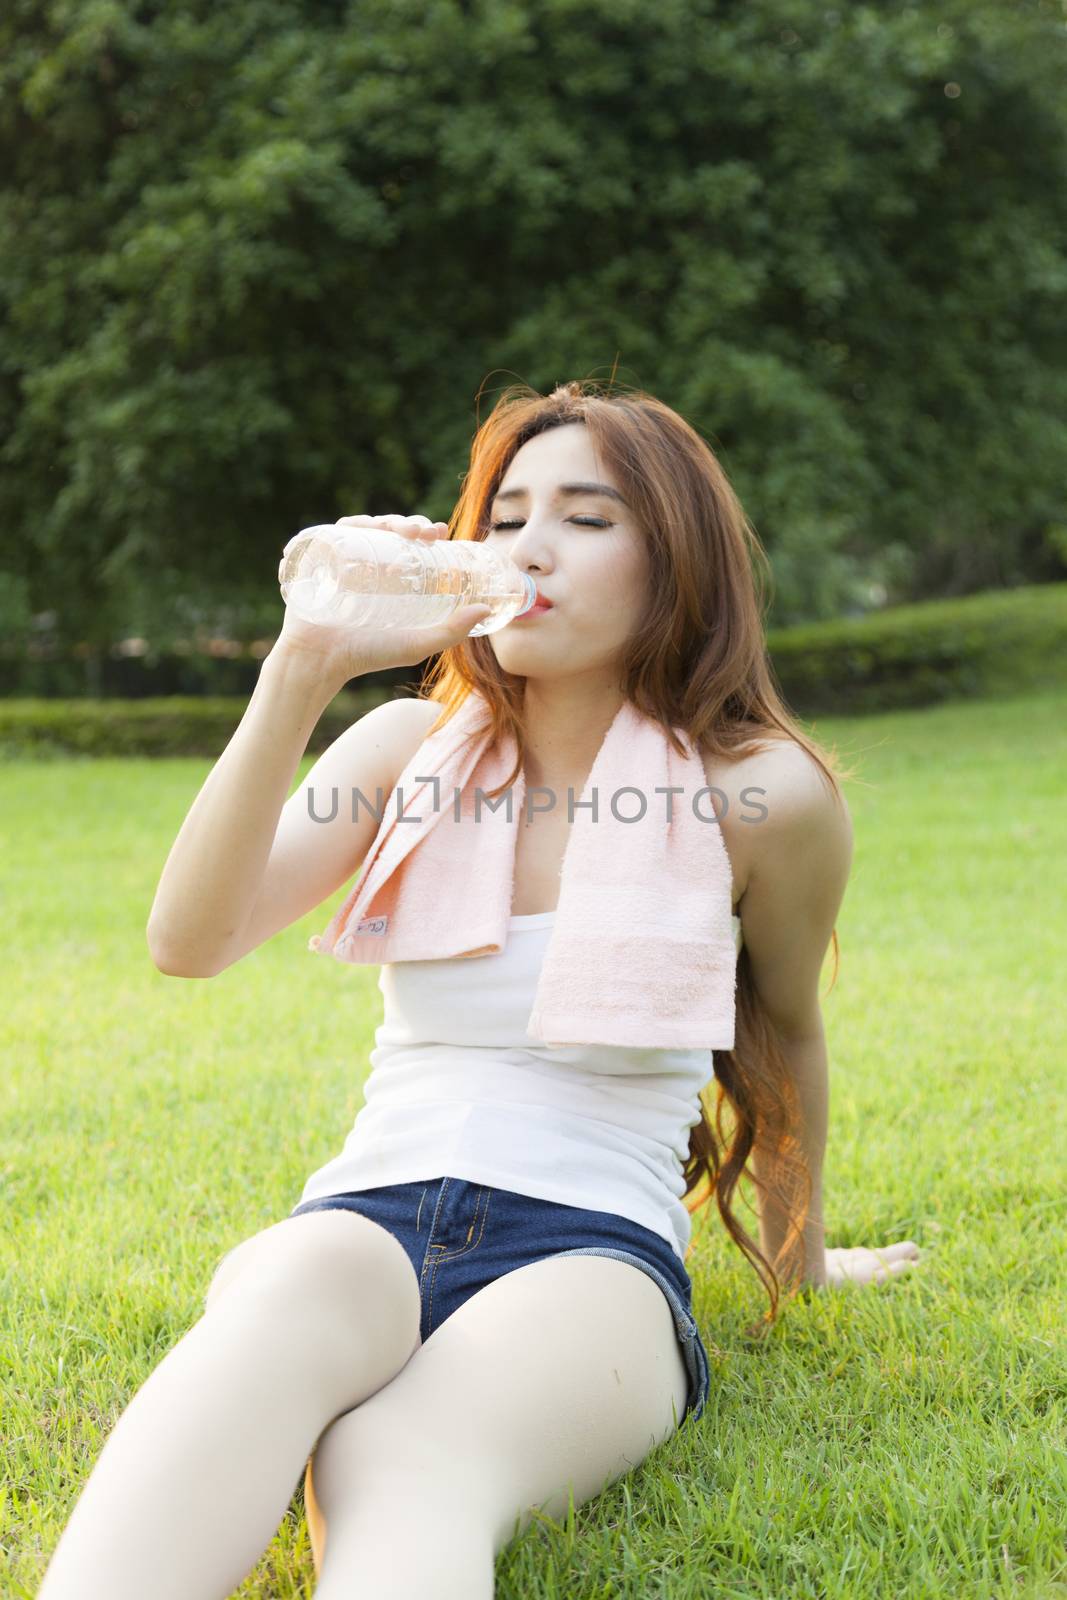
[(803, 835), (798, 858), (799, 792), (780, 776), (776, 801), (402, 725), (411, 712), (404, 718)]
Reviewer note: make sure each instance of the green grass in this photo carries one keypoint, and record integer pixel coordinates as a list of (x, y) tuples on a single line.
[(905, 1440)]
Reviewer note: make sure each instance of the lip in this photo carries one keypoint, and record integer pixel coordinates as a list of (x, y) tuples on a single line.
[(539, 608)]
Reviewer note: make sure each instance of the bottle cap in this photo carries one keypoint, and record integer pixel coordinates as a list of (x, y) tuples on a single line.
[(531, 594)]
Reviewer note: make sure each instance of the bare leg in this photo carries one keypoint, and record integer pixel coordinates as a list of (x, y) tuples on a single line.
[(196, 1476), (553, 1380)]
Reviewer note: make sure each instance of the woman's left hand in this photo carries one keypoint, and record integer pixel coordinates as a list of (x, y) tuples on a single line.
[(858, 1264)]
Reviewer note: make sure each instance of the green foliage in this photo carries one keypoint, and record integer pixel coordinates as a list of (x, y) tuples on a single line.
[(257, 259), (987, 645), (172, 726), (991, 645)]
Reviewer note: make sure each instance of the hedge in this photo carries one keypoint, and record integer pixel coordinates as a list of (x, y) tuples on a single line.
[(991, 645), (176, 725), (988, 645)]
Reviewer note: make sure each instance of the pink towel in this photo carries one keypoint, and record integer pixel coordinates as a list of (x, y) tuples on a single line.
[(642, 949)]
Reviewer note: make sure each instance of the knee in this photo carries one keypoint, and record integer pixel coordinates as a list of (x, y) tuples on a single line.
[(457, 1517), (378, 1457)]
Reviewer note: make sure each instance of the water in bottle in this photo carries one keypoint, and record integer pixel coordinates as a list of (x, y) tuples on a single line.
[(375, 578)]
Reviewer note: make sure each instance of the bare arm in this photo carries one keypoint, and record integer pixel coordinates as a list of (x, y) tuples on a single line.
[(217, 862), (247, 862), (810, 1072), (796, 884)]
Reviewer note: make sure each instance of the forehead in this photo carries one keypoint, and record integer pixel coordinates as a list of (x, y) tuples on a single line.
[(559, 456), (564, 491), (567, 470)]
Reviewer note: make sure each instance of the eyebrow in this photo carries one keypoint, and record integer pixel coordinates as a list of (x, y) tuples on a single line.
[(566, 490)]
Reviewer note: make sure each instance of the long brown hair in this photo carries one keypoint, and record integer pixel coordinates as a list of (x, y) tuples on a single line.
[(696, 661)]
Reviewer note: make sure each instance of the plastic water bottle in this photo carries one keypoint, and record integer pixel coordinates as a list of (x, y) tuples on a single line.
[(375, 578)]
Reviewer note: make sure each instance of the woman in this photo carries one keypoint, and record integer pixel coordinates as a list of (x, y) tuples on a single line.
[(562, 1346)]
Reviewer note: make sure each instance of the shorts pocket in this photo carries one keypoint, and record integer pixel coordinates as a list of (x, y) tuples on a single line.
[(475, 1233)]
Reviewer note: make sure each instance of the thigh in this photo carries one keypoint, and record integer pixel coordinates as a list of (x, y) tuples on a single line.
[(551, 1381), (340, 1266)]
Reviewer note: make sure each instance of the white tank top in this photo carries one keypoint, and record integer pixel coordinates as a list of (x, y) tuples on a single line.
[(458, 1088)]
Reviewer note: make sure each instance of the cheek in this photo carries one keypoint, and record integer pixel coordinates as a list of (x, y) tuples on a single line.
[(618, 566), (626, 582)]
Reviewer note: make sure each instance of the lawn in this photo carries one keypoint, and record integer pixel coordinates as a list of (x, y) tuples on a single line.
[(905, 1440)]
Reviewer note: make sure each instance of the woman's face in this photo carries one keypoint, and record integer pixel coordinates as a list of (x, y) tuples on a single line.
[(583, 550)]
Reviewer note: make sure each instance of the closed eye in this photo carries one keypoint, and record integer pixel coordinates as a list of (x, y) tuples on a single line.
[(589, 522)]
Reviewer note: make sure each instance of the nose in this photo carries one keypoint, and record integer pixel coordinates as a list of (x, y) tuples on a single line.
[(529, 549)]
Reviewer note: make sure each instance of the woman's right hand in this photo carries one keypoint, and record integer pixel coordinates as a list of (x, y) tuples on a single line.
[(345, 652)]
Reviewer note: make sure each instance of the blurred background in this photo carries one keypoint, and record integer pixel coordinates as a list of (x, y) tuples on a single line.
[(268, 264)]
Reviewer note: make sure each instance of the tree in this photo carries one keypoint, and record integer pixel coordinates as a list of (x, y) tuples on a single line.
[(259, 260)]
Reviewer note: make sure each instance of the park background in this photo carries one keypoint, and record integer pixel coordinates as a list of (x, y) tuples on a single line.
[(268, 264)]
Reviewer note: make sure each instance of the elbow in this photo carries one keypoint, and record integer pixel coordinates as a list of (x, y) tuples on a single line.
[(172, 965), (173, 970)]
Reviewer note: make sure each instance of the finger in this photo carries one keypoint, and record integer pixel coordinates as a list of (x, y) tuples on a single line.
[(429, 640), (422, 528), (885, 1273), (467, 616), (417, 526), (450, 633)]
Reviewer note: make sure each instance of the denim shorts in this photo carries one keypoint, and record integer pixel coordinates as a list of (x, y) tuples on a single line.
[(460, 1236)]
